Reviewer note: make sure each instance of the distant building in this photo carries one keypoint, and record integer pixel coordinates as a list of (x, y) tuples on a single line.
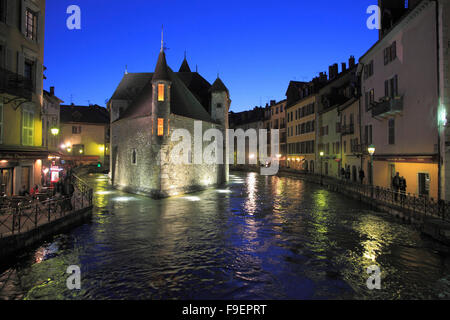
[(85, 134), (333, 126), (51, 120), (252, 119), (278, 122), (21, 76), (301, 109), (146, 108)]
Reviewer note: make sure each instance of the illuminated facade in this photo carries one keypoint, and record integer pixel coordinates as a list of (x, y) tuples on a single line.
[(21, 98), (301, 109), (405, 89), (337, 122), (84, 137), (146, 108)]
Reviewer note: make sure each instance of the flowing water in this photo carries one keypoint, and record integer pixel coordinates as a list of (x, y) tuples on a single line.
[(256, 238)]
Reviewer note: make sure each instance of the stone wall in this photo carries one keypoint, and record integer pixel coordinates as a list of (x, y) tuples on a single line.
[(154, 174)]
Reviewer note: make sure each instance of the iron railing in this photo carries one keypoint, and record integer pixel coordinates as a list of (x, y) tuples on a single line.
[(19, 215), (387, 107), (15, 84), (417, 206)]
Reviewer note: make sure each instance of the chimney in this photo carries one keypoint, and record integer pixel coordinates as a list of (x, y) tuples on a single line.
[(330, 72), (344, 67), (336, 70), (52, 91), (273, 102), (351, 62)]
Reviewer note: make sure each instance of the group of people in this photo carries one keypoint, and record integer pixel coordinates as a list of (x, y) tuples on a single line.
[(62, 189), (399, 186), (23, 191), (345, 174)]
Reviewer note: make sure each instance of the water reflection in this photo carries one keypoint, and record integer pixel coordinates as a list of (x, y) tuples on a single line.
[(257, 238)]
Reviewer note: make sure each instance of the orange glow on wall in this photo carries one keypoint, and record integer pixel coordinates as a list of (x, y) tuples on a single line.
[(160, 92), (160, 127)]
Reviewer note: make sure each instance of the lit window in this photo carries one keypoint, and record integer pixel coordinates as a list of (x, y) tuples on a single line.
[(160, 92), (160, 127)]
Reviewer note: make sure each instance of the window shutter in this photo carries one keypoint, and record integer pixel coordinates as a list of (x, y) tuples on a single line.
[(23, 16), (8, 60), (11, 13), (40, 28), (39, 78), (20, 63), (386, 88)]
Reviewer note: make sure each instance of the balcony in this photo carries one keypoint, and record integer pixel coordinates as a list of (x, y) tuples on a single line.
[(387, 107), (13, 84), (348, 129)]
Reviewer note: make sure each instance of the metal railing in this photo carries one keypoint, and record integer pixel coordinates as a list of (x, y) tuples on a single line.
[(418, 206), (19, 215), (15, 84), (388, 106)]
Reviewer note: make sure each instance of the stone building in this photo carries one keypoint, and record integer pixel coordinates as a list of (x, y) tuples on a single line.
[(146, 108)]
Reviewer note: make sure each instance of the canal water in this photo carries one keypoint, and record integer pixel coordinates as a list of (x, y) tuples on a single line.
[(257, 238)]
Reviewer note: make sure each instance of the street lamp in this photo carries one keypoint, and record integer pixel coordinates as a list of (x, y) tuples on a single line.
[(371, 150), (321, 166), (54, 131)]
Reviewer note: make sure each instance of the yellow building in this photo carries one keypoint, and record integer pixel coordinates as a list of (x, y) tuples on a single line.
[(21, 81), (85, 134), (301, 126)]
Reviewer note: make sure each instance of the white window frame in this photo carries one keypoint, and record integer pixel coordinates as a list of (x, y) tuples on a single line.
[(25, 129)]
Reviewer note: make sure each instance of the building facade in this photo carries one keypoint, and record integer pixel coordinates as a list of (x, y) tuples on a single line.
[(21, 82), (146, 110), (404, 95), (301, 124), (85, 134)]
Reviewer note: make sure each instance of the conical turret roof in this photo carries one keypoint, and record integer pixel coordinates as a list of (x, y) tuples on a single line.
[(185, 66), (218, 86), (161, 72)]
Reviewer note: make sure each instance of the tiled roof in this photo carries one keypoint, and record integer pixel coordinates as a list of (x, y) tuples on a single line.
[(84, 114)]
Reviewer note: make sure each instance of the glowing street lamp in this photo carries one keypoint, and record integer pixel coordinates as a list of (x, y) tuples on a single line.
[(371, 150), (321, 166), (54, 131)]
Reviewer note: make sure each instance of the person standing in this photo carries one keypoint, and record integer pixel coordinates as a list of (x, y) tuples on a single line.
[(396, 185), (362, 175), (402, 188)]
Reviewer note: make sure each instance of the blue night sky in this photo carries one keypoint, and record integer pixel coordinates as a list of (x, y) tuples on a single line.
[(256, 46)]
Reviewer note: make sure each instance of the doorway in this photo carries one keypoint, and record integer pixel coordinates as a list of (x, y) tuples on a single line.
[(424, 184), (6, 181)]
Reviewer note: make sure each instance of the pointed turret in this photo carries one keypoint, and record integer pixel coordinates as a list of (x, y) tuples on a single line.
[(161, 70), (218, 86), (185, 66)]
